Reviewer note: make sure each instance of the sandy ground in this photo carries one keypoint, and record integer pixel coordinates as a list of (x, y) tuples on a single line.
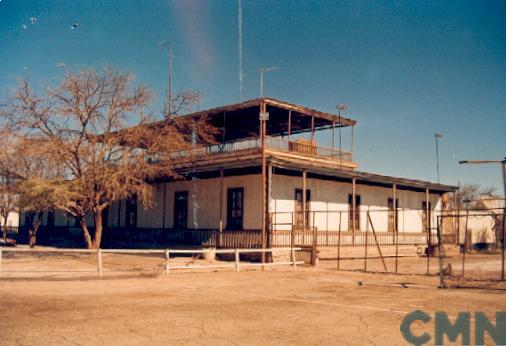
[(276, 306)]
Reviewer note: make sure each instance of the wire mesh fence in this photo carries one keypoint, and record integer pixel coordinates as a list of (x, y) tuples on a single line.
[(456, 245)]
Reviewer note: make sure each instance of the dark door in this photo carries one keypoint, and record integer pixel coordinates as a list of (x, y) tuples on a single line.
[(299, 213), (235, 210), (181, 210)]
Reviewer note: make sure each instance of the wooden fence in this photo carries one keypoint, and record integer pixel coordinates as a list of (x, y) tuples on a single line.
[(165, 254)]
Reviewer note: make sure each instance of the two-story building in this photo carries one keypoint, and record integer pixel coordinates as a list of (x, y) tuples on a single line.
[(268, 182)]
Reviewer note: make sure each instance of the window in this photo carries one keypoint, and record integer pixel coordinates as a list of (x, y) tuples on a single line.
[(235, 209), (131, 212), (181, 210), (301, 219), (352, 217), (426, 215), (391, 214)]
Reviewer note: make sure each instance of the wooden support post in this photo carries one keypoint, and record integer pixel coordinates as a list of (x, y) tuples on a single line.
[(167, 258), (292, 238), (339, 240), (457, 203), (312, 128), (503, 259), (222, 200), (0, 261), (334, 138), (440, 254), (237, 260), (352, 142), (353, 207), (465, 246), (304, 200), (289, 124), (396, 229), (366, 240), (269, 195), (99, 263), (427, 223), (294, 259), (264, 178), (315, 241)]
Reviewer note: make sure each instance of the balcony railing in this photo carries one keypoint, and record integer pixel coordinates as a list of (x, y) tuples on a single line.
[(272, 143)]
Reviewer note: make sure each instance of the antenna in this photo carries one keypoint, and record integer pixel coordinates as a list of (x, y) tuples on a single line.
[(168, 44), (262, 70), (239, 24)]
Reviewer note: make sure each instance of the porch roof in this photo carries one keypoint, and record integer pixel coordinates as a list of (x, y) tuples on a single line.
[(241, 120), (252, 165)]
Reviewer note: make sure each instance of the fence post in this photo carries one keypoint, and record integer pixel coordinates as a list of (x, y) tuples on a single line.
[(167, 257), (99, 263), (294, 259), (464, 250), (339, 240), (315, 242), (366, 241), (237, 259)]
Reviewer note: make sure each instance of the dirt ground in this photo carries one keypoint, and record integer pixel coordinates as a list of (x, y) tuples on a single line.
[(313, 305)]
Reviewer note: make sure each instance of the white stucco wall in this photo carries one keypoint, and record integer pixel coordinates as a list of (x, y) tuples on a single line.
[(329, 200), (203, 203), (12, 220)]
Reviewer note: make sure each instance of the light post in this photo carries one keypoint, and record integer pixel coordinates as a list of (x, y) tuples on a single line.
[(436, 137), (262, 70), (503, 164)]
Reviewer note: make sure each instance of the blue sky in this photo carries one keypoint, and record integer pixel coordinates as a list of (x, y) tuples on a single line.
[(407, 69)]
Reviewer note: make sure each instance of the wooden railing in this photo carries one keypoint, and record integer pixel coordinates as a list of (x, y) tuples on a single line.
[(161, 237), (280, 144), (272, 143), (345, 238)]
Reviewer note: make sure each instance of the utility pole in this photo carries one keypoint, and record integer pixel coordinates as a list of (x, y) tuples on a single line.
[(436, 137), (262, 70), (169, 89), (503, 164)]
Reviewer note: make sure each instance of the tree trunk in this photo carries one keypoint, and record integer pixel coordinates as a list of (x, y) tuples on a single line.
[(36, 222), (86, 232), (98, 230), (4, 227)]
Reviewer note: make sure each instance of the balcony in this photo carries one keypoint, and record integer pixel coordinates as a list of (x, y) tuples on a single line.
[(274, 146)]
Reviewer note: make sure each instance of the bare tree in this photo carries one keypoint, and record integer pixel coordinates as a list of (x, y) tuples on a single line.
[(92, 129), (8, 183), (470, 196)]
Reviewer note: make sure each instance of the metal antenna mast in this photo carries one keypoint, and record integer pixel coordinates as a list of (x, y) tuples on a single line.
[(437, 136), (169, 90), (239, 23)]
